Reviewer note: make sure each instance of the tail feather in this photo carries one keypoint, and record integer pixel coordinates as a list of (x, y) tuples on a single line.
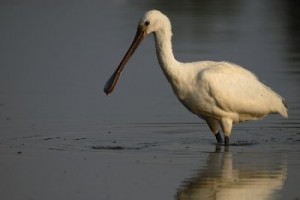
[(284, 110)]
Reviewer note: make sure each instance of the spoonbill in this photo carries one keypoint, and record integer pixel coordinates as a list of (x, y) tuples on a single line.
[(221, 93)]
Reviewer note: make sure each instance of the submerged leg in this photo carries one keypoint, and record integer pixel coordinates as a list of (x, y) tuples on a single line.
[(219, 138), (226, 140)]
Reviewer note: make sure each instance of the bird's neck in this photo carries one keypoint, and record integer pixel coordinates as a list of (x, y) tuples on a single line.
[(165, 55)]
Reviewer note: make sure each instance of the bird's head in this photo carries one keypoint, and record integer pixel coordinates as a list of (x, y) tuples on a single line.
[(152, 22)]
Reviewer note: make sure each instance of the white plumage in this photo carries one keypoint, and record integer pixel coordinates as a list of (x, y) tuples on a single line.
[(221, 93)]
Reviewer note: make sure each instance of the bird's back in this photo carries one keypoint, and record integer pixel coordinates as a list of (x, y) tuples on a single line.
[(235, 91)]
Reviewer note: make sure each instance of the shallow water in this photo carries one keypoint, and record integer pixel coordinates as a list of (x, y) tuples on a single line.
[(61, 137)]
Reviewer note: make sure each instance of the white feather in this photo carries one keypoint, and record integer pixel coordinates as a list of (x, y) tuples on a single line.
[(221, 93)]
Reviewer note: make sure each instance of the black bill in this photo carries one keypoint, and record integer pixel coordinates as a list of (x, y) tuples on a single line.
[(113, 80)]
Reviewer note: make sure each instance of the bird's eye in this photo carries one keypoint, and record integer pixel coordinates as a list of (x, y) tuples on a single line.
[(147, 23)]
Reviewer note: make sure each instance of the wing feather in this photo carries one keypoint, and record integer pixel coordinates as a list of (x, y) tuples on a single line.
[(238, 90)]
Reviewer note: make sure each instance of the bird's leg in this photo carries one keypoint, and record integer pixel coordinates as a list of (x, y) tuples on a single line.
[(226, 124), (214, 127), (219, 138), (226, 140), (218, 148)]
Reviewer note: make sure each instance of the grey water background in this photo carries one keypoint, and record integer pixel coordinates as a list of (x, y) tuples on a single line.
[(62, 137)]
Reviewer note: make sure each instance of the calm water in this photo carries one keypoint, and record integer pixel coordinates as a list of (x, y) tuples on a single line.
[(62, 137)]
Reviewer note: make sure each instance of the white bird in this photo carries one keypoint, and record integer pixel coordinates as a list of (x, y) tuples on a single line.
[(221, 93)]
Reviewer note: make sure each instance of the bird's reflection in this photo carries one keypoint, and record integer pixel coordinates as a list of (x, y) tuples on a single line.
[(249, 177)]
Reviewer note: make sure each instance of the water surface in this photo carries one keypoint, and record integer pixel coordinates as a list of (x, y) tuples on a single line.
[(62, 137)]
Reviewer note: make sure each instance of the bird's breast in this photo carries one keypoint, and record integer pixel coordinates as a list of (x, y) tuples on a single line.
[(195, 99)]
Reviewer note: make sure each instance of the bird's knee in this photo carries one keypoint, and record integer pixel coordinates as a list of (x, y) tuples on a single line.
[(213, 125)]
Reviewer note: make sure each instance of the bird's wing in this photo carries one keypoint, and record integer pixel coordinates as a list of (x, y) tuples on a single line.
[(236, 89)]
